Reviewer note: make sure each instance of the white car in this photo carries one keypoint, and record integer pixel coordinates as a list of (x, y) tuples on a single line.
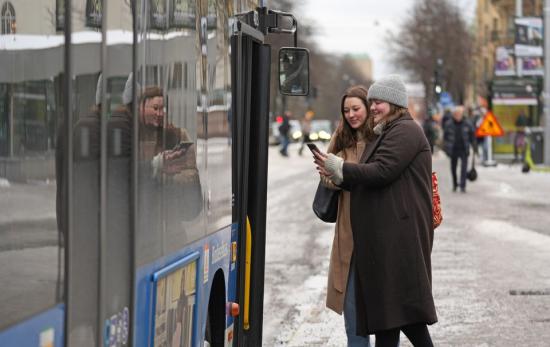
[(320, 130)]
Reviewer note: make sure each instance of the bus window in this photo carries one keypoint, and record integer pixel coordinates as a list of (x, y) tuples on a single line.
[(31, 112), (218, 116), (117, 246), (170, 154), (83, 200)]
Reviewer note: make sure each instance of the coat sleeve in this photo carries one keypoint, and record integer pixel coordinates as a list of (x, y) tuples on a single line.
[(325, 180), (396, 151)]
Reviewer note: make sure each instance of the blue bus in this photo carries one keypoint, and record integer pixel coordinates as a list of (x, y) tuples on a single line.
[(133, 169)]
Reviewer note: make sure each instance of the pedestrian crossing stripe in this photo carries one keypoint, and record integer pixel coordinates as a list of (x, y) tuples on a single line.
[(489, 126)]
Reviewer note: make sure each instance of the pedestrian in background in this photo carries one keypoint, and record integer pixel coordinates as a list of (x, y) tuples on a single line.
[(458, 137), (391, 220), (306, 130), (519, 137), (430, 129), (447, 114), (477, 119), (284, 130), (348, 143)]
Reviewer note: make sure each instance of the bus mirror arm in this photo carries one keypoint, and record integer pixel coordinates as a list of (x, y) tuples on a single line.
[(270, 21)]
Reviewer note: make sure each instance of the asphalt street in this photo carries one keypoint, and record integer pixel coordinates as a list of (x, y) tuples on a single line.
[(491, 259)]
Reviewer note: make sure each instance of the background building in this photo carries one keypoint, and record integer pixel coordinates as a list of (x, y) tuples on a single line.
[(511, 86)]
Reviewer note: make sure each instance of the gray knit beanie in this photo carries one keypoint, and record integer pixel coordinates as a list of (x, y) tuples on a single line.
[(390, 89)]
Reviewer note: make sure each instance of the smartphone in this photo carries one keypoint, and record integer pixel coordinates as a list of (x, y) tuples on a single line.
[(313, 147), (182, 145)]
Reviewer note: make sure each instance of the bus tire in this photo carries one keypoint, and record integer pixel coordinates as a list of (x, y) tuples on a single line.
[(215, 321)]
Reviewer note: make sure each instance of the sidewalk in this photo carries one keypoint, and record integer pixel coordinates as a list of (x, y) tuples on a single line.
[(494, 244)]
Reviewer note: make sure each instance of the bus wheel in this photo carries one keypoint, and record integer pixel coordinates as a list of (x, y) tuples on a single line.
[(215, 321), (207, 333)]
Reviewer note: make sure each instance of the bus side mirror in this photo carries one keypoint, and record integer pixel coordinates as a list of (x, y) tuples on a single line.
[(294, 71)]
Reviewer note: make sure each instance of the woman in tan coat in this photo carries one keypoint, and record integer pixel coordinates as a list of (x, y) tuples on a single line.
[(348, 143)]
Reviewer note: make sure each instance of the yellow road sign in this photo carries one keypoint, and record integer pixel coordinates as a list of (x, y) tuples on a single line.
[(489, 126)]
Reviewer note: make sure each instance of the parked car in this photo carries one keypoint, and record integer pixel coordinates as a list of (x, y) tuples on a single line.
[(321, 130)]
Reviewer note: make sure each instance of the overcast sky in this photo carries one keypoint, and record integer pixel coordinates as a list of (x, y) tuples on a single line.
[(360, 26)]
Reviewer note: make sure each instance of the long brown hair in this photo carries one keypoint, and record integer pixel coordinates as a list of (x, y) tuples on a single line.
[(345, 136), (395, 113)]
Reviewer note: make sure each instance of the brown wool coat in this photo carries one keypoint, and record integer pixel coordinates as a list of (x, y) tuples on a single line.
[(391, 218), (342, 244)]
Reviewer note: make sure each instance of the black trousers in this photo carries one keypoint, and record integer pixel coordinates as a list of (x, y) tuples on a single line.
[(463, 157), (418, 334)]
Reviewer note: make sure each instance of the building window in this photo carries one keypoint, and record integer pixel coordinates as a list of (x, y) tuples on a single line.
[(8, 18)]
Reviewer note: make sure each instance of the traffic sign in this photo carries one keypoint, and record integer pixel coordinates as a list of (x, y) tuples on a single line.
[(446, 100), (489, 126)]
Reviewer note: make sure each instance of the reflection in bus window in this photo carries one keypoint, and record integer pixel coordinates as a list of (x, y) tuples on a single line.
[(31, 114), (219, 101), (7, 20), (170, 193), (87, 93)]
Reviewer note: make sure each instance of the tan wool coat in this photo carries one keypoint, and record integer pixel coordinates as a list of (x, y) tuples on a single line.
[(342, 245)]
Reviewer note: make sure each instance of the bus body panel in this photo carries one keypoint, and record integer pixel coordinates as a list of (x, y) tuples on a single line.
[(44, 329), (214, 254)]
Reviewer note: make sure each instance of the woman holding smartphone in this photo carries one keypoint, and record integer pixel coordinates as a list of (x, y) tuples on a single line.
[(391, 219), (348, 143)]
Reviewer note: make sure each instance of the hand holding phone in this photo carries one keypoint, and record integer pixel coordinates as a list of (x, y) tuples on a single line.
[(313, 148), (182, 145)]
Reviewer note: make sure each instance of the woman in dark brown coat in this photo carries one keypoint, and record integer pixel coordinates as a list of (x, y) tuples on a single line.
[(391, 218)]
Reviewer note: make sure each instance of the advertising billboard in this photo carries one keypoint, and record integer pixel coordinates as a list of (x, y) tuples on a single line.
[(529, 37), (505, 62), (532, 66)]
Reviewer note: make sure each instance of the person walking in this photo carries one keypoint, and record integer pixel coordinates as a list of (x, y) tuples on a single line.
[(458, 136), (391, 220), (348, 143), (430, 129), (519, 137), (284, 130)]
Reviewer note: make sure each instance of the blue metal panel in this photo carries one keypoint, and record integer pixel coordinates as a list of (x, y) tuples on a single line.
[(217, 246), (37, 331)]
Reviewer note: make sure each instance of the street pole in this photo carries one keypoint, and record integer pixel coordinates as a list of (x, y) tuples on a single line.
[(489, 143), (546, 92), (519, 61)]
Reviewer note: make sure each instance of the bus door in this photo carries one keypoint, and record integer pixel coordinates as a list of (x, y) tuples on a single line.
[(251, 68), (251, 60)]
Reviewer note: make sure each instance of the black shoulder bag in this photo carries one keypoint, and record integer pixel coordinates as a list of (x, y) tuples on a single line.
[(325, 203), (471, 175)]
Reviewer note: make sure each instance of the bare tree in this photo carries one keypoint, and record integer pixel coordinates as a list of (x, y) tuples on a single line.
[(330, 74), (435, 29)]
